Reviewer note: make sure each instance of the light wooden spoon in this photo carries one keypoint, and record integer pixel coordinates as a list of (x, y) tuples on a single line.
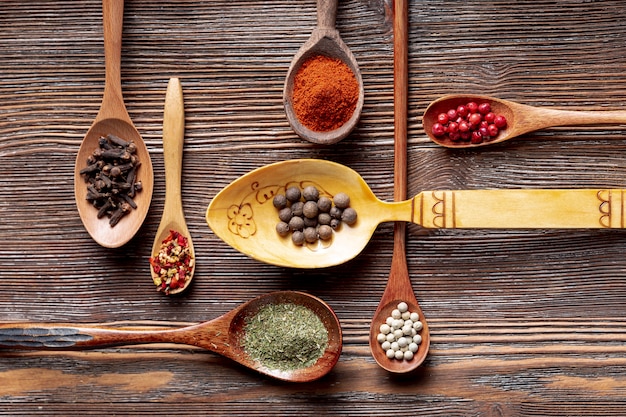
[(173, 217), (398, 287), (521, 118), (113, 118), (222, 335), (242, 214), (325, 40)]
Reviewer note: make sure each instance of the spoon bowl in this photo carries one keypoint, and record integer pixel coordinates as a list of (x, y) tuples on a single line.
[(113, 118), (242, 214), (521, 118), (325, 40), (173, 217), (222, 335)]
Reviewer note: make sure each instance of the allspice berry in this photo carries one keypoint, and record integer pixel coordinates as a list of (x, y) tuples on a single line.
[(296, 223), (349, 216), (298, 238), (325, 232), (293, 194), (310, 234), (341, 200), (285, 214), (310, 193), (280, 201), (310, 209), (324, 204), (282, 229)]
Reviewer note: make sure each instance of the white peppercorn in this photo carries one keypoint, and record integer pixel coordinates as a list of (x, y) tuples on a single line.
[(401, 341)]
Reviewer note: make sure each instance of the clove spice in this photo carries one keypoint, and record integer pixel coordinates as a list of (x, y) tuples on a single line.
[(111, 177)]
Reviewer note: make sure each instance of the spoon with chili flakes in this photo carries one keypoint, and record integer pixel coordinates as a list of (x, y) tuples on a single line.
[(173, 261)]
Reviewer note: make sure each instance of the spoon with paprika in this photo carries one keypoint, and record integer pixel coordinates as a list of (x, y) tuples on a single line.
[(323, 93), (224, 335)]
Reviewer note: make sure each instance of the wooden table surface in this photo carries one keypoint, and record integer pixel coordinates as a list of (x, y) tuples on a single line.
[(526, 322)]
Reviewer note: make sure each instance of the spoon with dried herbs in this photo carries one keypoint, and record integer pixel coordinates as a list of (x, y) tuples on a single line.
[(173, 259), (333, 89), (113, 170), (470, 120), (243, 215), (287, 335)]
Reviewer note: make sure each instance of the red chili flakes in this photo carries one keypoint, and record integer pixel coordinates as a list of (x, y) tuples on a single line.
[(173, 264)]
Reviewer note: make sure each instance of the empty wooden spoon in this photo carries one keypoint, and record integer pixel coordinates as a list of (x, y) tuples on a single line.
[(520, 118), (222, 335), (113, 118), (173, 217), (325, 40), (242, 214)]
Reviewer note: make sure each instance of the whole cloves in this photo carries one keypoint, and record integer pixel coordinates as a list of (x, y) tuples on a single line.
[(111, 177)]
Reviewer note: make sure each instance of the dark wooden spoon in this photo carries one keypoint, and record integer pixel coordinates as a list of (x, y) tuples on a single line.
[(325, 40), (222, 335), (398, 287)]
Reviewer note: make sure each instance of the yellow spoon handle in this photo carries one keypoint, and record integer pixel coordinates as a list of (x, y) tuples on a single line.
[(521, 209)]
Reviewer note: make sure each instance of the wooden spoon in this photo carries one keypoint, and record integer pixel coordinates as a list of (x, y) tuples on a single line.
[(113, 119), (222, 335), (325, 40), (520, 118), (242, 214), (398, 287), (173, 217)]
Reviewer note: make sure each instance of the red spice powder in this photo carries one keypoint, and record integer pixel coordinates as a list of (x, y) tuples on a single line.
[(325, 93)]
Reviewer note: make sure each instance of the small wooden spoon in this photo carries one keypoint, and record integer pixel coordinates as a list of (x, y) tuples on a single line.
[(325, 40), (222, 335), (398, 287), (113, 119), (520, 118), (173, 217)]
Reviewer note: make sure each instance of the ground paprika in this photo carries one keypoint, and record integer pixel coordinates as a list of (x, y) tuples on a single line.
[(325, 93)]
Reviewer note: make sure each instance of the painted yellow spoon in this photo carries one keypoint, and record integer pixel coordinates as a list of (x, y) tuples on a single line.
[(222, 335), (242, 214), (173, 217), (113, 119), (521, 118)]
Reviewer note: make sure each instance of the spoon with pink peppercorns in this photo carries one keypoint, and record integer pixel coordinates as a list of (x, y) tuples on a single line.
[(467, 121)]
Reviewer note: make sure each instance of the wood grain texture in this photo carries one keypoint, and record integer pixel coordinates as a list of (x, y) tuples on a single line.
[(522, 322)]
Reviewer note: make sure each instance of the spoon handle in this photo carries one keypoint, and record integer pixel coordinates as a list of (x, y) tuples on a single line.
[(173, 139), (113, 23), (534, 118), (521, 209), (211, 335), (47, 336), (326, 14)]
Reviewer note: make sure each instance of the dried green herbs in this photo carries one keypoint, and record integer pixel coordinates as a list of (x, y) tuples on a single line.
[(285, 336)]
